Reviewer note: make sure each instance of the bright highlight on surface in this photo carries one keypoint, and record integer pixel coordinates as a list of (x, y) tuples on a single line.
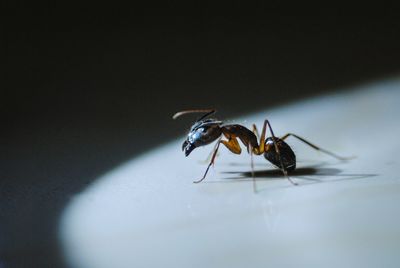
[(148, 213)]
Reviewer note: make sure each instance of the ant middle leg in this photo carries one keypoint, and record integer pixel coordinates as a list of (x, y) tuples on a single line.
[(316, 147), (233, 145), (252, 169)]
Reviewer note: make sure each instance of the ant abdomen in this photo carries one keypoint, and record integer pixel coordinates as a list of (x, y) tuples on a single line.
[(287, 156)]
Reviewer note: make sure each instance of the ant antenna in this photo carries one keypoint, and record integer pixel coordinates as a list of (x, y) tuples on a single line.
[(207, 111)]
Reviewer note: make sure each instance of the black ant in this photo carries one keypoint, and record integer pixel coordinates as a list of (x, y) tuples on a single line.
[(276, 150)]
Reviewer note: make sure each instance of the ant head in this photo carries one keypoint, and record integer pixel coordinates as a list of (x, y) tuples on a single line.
[(202, 133)]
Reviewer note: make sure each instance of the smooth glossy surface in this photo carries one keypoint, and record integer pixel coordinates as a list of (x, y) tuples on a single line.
[(148, 213)]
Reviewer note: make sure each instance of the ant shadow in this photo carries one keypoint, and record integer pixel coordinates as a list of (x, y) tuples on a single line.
[(309, 175)]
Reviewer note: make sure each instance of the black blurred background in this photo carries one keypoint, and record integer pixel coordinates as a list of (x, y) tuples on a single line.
[(87, 86)]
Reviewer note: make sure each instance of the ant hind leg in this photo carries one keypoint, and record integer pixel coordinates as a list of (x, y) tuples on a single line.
[(316, 147), (255, 131)]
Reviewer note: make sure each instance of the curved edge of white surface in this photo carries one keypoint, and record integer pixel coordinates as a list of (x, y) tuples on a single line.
[(148, 213)]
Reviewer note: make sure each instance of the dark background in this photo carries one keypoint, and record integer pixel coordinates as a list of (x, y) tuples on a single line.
[(88, 86)]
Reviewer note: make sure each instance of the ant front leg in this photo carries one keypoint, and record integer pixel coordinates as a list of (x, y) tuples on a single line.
[(210, 154), (232, 144), (211, 162)]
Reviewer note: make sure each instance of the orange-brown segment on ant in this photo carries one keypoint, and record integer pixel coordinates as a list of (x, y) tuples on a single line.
[(232, 132)]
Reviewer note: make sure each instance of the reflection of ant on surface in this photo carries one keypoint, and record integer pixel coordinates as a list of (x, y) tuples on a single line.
[(205, 131)]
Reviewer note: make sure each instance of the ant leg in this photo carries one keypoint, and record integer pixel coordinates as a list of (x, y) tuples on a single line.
[(255, 131), (232, 145), (252, 169), (209, 155), (316, 147), (211, 162), (283, 169)]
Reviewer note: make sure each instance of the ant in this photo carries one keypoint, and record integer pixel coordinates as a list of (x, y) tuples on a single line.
[(206, 130)]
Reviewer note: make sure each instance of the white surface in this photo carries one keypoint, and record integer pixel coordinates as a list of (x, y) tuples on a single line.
[(148, 213)]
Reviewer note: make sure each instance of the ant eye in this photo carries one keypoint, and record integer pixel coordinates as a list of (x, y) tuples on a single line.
[(200, 131), (204, 130), (205, 133)]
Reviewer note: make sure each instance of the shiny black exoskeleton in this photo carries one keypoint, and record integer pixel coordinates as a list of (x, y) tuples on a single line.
[(287, 155), (202, 133)]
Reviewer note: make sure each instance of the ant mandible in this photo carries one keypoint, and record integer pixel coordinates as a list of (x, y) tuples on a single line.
[(204, 131)]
